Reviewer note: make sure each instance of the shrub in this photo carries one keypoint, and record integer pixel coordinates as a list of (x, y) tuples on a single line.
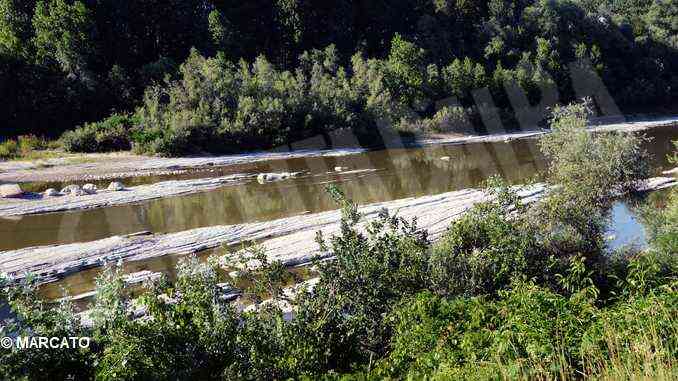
[(482, 252), (449, 119), (111, 134), (9, 149), (493, 299), (218, 106), (370, 272), (526, 332), (24, 146), (34, 317), (28, 143), (82, 139), (663, 224), (634, 339), (592, 166), (189, 333)]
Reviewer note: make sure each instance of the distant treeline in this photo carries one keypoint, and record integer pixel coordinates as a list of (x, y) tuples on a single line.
[(66, 63)]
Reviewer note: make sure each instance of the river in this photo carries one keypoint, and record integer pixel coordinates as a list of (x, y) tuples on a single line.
[(367, 177)]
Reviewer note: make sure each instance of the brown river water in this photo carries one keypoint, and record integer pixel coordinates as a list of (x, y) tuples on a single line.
[(372, 176)]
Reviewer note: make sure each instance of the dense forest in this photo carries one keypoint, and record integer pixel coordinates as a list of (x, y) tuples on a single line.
[(260, 73)]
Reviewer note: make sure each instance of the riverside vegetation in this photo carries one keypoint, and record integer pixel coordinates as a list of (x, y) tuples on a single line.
[(510, 291), (185, 77)]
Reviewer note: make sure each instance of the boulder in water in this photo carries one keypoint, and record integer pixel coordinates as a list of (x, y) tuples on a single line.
[(269, 177), (116, 186), (73, 190), (10, 190), (51, 192), (89, 188)]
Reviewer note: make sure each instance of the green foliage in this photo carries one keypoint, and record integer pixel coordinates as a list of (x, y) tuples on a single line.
[(454, 119), (157, 347), (62, 34), (9, 149), (404, 70), (25, 146), (511, 291), (373, 309), (217, 106), (482, 252), (603, 163), (529, 332), (64, 62), (34, 317), (221, 31), (111, 134), (635, 338), (663, 224), (370, 272), (15, 27)]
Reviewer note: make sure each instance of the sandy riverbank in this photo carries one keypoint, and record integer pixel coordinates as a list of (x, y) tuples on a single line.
[(120, 165)]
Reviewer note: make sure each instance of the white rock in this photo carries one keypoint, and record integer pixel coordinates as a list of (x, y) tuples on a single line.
[(73, 190), (339, 169), (51, 192), (89, 188), (445, 158), (10, 190), (116, 186), (268, 177)]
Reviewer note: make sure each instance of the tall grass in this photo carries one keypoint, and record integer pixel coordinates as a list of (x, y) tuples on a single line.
[(27, 147)]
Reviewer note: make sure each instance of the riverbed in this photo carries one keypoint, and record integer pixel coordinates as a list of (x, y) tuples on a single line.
[(366, 177)]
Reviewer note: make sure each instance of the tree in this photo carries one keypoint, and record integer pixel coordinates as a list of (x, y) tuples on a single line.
[(405, 68), (15, 27), (63, 34)]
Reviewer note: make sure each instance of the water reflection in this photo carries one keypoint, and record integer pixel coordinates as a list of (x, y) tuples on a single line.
[(394, 174)]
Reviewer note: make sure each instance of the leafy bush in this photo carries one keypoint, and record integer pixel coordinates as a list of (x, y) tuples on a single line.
[(635, 338), (605, 164), (157, 347), (35, 317), (529, 332), (217, 106), (111, 134), (25, 146), (9, 149), (663, 225), (502, 295), (483, 251)]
